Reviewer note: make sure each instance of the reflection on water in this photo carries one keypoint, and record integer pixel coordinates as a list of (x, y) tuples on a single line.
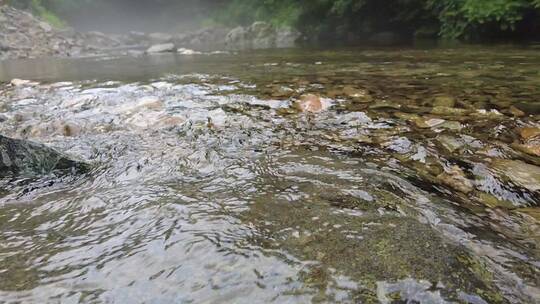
[(420, 183)]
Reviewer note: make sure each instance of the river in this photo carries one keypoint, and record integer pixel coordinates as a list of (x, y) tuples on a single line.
[(418, 182)]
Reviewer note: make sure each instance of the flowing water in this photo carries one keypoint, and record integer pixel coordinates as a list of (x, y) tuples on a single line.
[(417, 182)]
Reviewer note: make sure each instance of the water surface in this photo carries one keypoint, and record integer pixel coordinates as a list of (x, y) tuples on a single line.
[(416, 184)]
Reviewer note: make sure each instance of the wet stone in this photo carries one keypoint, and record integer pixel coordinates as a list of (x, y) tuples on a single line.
[(455, 178), (426, 123), (444, 101), (518, 172), (384, 105), (27, 158), (450, 143), (447, 111), (529, 132), (309, 103)]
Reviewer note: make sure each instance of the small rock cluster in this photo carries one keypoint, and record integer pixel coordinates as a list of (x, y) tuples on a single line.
[(24, 36), (260, 35)]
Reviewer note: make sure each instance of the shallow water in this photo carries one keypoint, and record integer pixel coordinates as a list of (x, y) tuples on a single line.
[(416, 184)]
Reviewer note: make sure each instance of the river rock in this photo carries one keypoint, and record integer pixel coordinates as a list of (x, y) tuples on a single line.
[(529, 132), (45, 26), (149, 103), (287, 37), (530, 137), (448, 111), (67, 128), (27, 158), (184, 51), (528, 107), (518, 172), (309, 103), (261, 35), (455, 178), (357, 94), (161, 48), (444, 101), (450, 143), (137, 37), (238, 38), (426, 123), (205, 39), (516, 112), (160, 38)]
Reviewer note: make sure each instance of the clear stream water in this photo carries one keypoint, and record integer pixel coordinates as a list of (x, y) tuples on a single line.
[(416, 183)]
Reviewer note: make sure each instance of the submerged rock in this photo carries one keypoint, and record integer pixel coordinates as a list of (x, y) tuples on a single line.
[(28, 158), (530, 137), (20, 82), (161, 48), (529, 132), (310, 103), (520, 173), (428, 123), (455, 179), (450, 143), (444, 101), (448, 111)]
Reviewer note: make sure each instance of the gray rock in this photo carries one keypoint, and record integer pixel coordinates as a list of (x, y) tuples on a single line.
[(45, 26), (160, 38), (261, 35), (238, 38), (287, 37), (22, 157), (205, 39), (161, 48)]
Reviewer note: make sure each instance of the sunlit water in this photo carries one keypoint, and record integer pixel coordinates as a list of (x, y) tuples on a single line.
[(209, 187)]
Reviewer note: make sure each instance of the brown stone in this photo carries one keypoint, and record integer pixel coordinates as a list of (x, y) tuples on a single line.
[(529, 132), (310, 103)]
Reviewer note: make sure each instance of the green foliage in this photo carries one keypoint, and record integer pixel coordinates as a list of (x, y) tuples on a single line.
[(46, 14), (456, 19), (467, 18), (39, 8)]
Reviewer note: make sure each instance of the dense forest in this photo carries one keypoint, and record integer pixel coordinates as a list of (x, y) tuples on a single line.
[(323, 19)]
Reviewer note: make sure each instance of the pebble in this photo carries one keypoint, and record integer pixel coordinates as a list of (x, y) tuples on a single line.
[(309, 103)]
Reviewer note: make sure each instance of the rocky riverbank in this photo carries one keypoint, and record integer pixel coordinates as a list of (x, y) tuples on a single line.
[(259, 35), (22, 35)]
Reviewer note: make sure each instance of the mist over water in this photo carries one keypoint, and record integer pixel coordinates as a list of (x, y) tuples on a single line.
[(144, 16)]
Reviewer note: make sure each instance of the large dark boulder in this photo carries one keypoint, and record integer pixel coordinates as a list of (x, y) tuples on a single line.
[(21, 157)]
